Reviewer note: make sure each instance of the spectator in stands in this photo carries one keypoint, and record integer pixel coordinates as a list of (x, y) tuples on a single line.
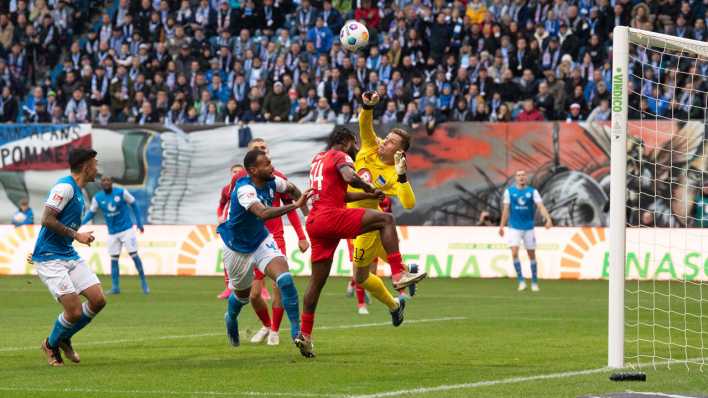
[(529, 113), (574, 114), (10, 106), (24, 214), (321, 114), (277, 104)]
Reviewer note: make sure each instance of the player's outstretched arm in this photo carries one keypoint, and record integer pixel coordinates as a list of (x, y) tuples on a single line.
[(91, 212), (404, 189), (352, 178), (266, 213), (357, 196), (50, 221), (366, 120)]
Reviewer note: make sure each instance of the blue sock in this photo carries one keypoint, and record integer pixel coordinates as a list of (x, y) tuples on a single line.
[(115, 274), (534, 269), (517, 267), (86, 317), (288, 293), (235, 305), (139, 267), (61, 326)]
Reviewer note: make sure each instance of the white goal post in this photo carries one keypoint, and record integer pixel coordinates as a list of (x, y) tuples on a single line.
[(627, 43)]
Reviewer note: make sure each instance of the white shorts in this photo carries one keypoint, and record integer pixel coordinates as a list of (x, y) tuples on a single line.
[(239, 266), (514, 237), (66, 276), (125, 238)]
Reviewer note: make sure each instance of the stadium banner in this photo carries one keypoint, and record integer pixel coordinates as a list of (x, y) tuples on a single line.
[(458, 171), (444, 252)]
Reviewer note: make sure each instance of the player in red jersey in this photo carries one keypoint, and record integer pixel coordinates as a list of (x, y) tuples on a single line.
[(270, 326), (330, 220)]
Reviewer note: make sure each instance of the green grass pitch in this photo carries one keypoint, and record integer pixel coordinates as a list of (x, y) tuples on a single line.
[(462, 338)]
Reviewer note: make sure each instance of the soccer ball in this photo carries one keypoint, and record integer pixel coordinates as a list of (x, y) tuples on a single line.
[(353, 35)]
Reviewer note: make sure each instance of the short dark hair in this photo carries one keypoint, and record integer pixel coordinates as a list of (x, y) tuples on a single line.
[(252, 157), (340, 135), (79, 156), (405, 138)]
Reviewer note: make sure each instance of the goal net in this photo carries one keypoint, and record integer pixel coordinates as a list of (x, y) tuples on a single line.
[(658, 311)]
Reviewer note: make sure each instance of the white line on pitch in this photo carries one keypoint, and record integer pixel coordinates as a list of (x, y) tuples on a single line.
[(191, 336), (167, 392), (510, 380), (660, 394)]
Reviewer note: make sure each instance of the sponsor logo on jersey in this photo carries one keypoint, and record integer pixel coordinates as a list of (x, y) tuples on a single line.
[(381, 181)]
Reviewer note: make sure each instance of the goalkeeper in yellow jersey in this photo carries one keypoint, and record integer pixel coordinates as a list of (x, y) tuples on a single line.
[(382, 163)]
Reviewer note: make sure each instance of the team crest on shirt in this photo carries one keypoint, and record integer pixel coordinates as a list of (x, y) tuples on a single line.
[(381, 181), (528, 195), (116, 198), (365, 174)]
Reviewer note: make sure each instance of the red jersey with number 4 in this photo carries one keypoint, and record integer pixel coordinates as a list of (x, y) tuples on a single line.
[(328, 187)]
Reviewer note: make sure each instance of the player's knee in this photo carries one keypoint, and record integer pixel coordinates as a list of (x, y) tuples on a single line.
[(254, 295), (73, 314), (387, 219), (97, 305)]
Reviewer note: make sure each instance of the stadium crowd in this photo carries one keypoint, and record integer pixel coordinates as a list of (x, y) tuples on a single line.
[(214, 61)]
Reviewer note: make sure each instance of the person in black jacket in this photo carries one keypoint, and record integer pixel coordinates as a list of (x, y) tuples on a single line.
[(10, 106)]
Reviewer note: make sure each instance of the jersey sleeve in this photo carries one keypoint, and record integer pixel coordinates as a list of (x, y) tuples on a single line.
[(129, 199), (94, 205), (281, 185), (366, 130), (537, 197), (247, 196), (506, 199), (341, 159), (60, 196)]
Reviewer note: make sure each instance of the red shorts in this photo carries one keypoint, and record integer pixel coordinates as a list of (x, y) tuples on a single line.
[(280, 241), (326, 226)]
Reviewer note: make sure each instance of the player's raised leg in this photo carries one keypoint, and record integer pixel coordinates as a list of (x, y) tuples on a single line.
[(384, 222)]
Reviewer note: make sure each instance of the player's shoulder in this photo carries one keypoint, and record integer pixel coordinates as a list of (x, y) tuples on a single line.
[(65, 185)]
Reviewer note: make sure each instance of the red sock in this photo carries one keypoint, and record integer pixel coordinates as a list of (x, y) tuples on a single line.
[(308, 321), (351, 282), (277, 318), (264, 317), (360, 298), (226, 278), (394, 260)]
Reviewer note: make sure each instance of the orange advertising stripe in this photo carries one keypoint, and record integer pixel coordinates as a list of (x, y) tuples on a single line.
[(182, 259), (569, 263), (4, 271), (591, 236), (21, 232), (186, 271), (601, 233), (573, 252), (404, 232), (204, 232), (578, 240), (5, 249), (194, 237), (570, 275), (187, 247), (13, 241), (6, 260)]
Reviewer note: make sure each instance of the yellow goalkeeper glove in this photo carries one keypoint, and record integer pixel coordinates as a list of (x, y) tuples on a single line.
[(399, 161)]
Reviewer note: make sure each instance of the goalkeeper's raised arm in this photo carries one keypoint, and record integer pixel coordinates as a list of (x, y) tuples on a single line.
[(383, 162)]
